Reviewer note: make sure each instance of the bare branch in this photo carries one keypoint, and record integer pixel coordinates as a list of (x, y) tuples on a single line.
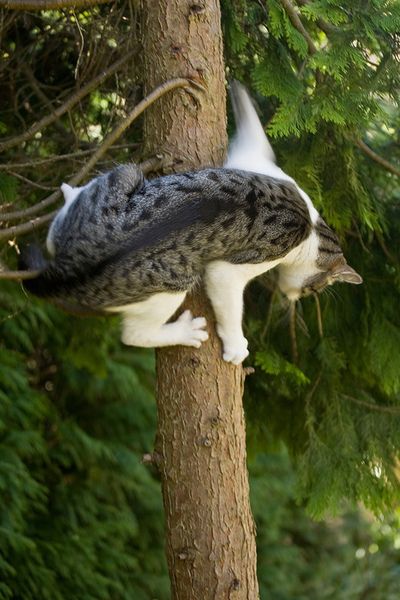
[(296, 22), (33, 224), (48, 4), (66, 106), (292, 330), (378, 159), (152, 164), (18, 275), (49, 159), (28, 227), (41, 95), (395, 410), (30, 211), (319, 316), (32, 183), (162, 89)]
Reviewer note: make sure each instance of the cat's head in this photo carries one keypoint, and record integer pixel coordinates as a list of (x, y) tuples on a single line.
[(315, 264)]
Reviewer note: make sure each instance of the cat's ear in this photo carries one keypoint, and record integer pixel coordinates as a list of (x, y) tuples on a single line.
[(70, 193), (346, 274)]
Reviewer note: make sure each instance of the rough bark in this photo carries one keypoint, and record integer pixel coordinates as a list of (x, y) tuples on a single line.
[(200, 446)]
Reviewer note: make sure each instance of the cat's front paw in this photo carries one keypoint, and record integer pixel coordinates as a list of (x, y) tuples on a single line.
[(192, 329), (235, 350)]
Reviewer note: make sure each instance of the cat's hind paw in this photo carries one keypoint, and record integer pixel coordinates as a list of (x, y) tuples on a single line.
[(235, 353), (192, 329)]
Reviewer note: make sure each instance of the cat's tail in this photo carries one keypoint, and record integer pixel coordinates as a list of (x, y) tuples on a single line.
[(32, 259), (250, 149), (49, 281)]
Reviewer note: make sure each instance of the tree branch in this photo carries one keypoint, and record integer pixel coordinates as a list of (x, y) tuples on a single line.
[(41, 95), (378, 407), (324, 26), (292, 330), (48, 4), (65, 107), (296, 22), (18, 275), (28, 227), (152, 164), (378, 159), (148, 166), (162, 89), (49, 159), (32, 183)]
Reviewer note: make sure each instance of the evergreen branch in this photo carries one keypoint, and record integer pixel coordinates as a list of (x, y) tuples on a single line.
[(297, 24), (65, 107), (49, 4), (377, 158), (324, 26), (378, 407)]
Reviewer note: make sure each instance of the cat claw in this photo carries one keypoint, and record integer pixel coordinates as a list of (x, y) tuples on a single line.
[(192, 328)]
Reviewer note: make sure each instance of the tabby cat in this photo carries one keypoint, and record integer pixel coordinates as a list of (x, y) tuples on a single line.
[(122, 244)]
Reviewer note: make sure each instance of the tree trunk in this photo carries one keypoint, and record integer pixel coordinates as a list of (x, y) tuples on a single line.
[(200, 446)]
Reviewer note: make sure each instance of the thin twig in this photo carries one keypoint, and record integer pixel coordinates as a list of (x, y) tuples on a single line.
[(385, 249), (162, 89), (319, 316), (28, 227), (269, 314), (65, 107), (41, 95), (172, 84), (152, 164), (32, 183), (378, 407), (49, 159), (19, 275), (296, 22), (378, 159), (292, 329)]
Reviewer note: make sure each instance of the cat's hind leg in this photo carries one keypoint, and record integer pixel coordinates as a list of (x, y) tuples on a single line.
[(225, 284), (145, 323)]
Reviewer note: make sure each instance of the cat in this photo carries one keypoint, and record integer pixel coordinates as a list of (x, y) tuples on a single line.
[(123, 244)]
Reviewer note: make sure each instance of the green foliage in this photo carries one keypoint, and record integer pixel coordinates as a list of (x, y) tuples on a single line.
[(337, 408), (81, 516), (345, 558)]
